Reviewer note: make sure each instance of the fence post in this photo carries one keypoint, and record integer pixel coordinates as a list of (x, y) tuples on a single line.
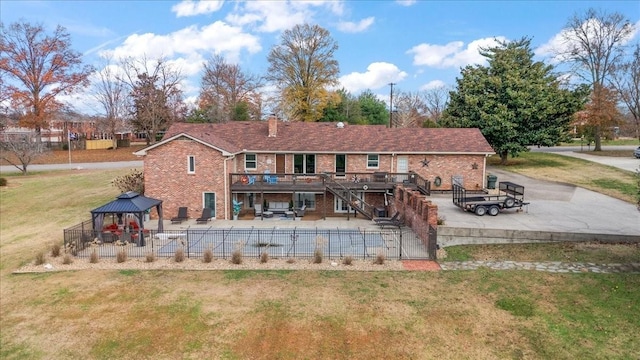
[(400, 250)]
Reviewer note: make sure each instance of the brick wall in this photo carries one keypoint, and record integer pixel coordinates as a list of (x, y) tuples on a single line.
[(166, 177), (417, 211)]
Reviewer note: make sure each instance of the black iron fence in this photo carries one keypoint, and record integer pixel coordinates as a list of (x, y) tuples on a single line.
[(392, 243)]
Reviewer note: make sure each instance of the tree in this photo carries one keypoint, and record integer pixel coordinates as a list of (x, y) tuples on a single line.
[(435, 100), (21, 150), (302, 66), (515, 102), (410, 110), (343, 107), (42, 67), (601, 112), (626, 80), (155, 94), (110, 93), (231, 92), (373, 110), (594, 44)]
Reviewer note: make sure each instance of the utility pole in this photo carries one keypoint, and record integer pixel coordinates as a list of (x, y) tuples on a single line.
[(391, 105)]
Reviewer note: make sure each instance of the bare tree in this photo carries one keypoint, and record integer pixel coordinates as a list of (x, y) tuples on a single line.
[(228, 91), (155, 94), (43, 66), (21, 150), (594, 45), (110, 92), (435, 101), (302, 66), (626, 80), (409, 111)]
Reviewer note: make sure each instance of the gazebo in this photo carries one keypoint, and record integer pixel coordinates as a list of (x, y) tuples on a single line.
[(128, 203)]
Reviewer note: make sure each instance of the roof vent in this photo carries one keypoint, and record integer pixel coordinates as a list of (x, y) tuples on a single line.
[(340, 125)]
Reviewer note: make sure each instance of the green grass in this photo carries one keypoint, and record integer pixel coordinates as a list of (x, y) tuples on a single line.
[(239, 314), (567, 252)]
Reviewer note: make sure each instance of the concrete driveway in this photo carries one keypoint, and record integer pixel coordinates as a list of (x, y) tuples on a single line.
[(553, 207), (625, 163)]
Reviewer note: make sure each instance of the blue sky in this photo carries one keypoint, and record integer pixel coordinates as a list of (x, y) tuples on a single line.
[(415, 44)]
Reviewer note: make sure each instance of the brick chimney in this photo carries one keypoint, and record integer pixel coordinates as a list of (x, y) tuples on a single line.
[(273, 125)]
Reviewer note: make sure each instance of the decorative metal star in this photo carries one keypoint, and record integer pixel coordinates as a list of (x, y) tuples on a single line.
[(425, 162), (474, 166)]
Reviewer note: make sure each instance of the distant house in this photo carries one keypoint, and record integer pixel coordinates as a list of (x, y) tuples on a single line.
[(331, 169)]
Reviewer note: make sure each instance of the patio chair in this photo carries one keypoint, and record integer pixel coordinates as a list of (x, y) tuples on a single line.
[(183, 214), (393, 218), (205, 217), (300, 212), (396, 223), (269, 179), (257, 210)]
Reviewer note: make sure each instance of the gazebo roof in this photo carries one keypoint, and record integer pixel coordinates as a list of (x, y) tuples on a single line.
[(129, 202)]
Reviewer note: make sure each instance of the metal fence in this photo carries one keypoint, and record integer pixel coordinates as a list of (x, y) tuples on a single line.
[(302, 243)]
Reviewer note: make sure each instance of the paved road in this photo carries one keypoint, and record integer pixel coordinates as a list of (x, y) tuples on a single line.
[(75, 166), (625, 163)]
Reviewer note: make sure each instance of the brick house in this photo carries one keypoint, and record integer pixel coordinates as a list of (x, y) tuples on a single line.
[(331, 169)]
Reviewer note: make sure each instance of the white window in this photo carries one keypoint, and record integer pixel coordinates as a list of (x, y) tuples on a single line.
[(250, 161), (191, 164), (373, 161)]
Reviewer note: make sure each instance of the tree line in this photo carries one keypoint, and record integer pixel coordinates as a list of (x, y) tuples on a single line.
[(514, 100)]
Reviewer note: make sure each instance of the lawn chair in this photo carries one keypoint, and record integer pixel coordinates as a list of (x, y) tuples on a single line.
[(300, 212), (393, 218), (269, 179), (183, 214), (257, 210), (396, 222), (205, 217)]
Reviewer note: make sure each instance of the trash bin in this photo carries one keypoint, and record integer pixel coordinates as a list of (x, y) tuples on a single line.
[(491, 181)]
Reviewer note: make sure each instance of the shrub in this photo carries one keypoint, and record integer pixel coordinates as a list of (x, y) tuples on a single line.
[(348, 260), (134, 181), (317, 256), (55, 250), (291, 261), (94, 257), (67, 259), (39, 258), (151, 257), (380, 258), (121, 256), (236, 257), (441, 220), (208, 256), (3, 181), (264, 257), (179, 255)]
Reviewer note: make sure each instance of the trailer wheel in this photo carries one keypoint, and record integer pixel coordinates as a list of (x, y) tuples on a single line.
[(481, 210), (494, 210), (509, 202)]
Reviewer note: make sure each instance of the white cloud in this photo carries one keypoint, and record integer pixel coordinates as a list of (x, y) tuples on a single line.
[(406, 2), (198, 7), (435, 84), (378, 74), (217, 37), (274, 16), (352, 27), (453, 54), (561, 42)]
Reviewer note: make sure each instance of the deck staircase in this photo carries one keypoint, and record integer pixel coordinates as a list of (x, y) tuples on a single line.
[(351, 197)]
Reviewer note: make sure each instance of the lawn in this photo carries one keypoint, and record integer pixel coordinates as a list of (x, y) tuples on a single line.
[(240, 314)]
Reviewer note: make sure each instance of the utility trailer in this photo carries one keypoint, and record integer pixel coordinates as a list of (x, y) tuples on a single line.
[(509, 195)]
